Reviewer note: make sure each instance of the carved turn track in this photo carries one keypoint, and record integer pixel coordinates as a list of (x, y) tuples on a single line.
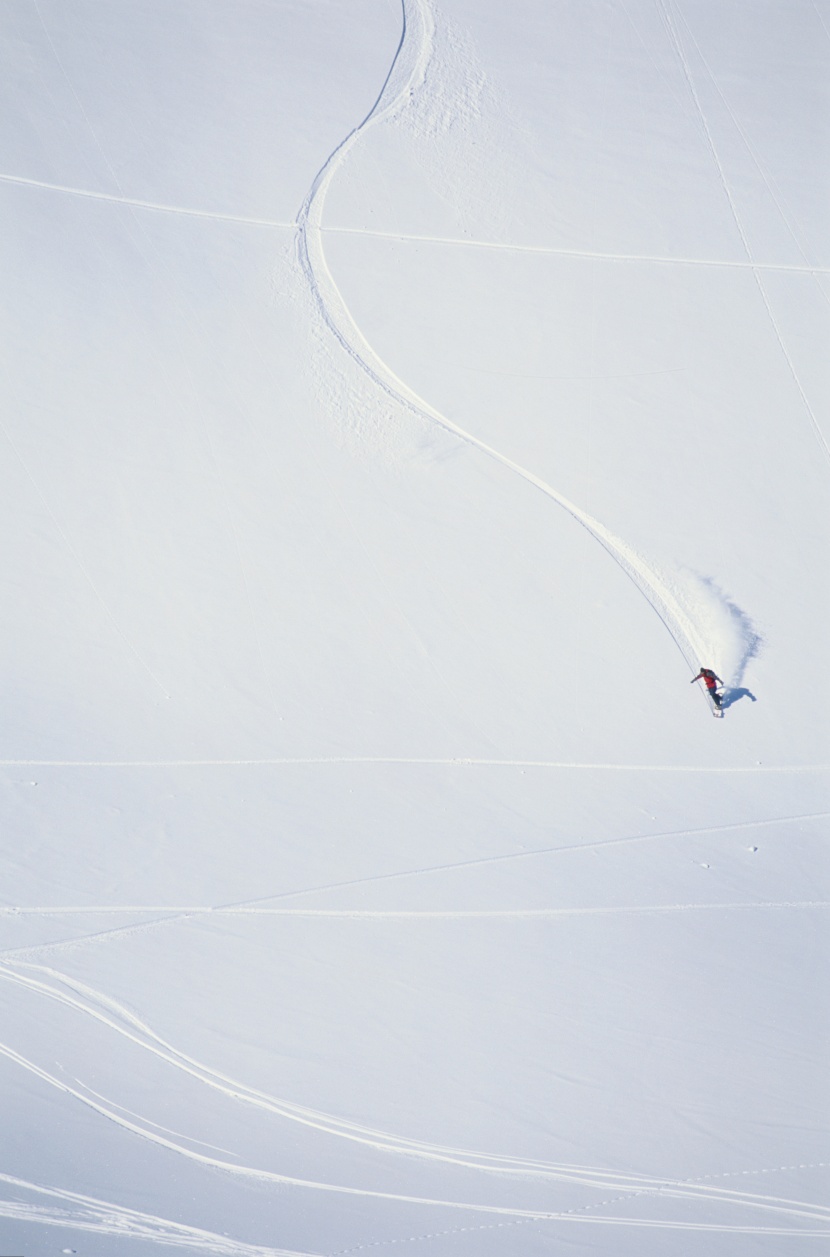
[(404, 79)]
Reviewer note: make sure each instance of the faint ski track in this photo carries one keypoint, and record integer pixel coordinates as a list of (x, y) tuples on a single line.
[(109, 1013), (775, 194), (302, 761), (666, 8), (594, 255), (157, 206), (528, 375), (527, 855), (822, 22), (382, 914)]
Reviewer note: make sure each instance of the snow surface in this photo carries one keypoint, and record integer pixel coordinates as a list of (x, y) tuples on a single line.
[(400, 405)]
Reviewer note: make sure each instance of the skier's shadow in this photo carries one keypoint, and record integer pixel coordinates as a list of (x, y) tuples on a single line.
[(735, 694)]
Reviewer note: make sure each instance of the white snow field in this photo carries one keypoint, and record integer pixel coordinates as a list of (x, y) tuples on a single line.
[(400, 404)]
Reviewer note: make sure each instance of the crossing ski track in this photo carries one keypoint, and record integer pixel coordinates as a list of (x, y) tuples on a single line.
[(168, 914), (51, 984), (173, 914), (460, 242)]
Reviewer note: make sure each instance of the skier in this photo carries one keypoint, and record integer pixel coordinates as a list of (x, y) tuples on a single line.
[(712, 681)]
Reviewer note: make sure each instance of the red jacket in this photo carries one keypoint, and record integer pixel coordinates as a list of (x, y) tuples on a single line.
[(711, 678)]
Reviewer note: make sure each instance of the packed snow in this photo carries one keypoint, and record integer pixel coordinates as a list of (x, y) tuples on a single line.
[(401, 403)]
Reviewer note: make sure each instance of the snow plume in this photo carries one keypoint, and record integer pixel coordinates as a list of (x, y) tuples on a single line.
[(721, 633)]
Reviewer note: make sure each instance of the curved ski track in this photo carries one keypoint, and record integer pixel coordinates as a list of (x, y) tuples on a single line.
[(85, 1000), (406, 75)]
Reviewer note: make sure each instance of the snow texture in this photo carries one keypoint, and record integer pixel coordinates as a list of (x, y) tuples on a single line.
[(401, 403)]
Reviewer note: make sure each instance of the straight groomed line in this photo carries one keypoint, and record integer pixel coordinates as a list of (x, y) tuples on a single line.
[(460, 762), (160, 207), (135, 203), (426, 914), (592, 254)]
